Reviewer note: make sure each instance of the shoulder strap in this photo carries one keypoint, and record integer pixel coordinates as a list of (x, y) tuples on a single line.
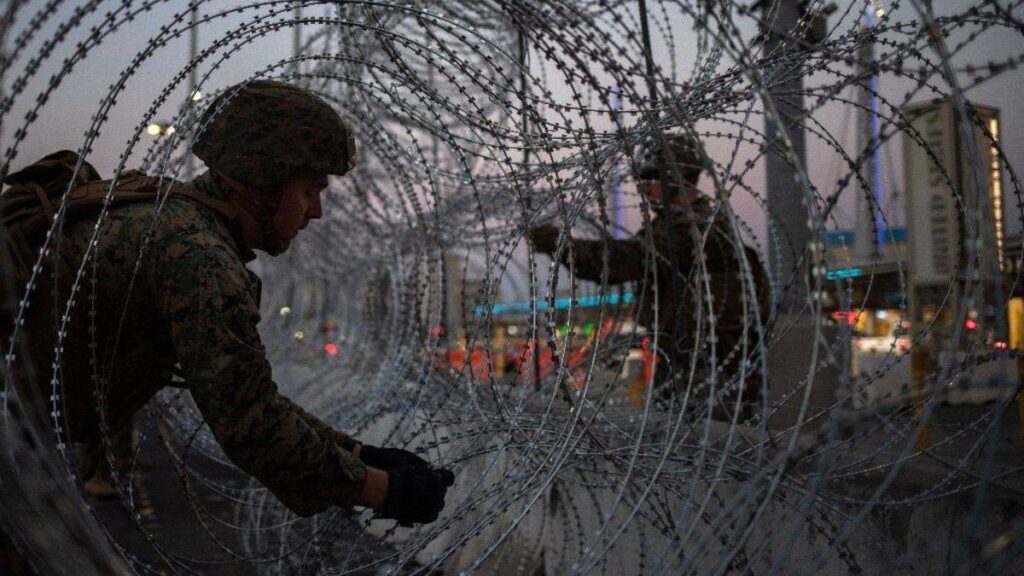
[(34, 194), (137, 187)]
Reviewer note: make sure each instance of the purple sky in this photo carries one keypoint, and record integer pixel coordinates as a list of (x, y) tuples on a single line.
[(67, 115)]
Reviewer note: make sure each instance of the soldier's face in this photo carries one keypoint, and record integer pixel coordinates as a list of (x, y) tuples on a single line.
[(300, 203)]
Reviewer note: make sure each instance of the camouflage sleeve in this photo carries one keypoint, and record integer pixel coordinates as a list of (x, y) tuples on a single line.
[(339, 438), (625, 259), (673, 246), (206, 295)]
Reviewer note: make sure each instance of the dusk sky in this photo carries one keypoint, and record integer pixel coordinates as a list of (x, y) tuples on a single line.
[(67, 115)]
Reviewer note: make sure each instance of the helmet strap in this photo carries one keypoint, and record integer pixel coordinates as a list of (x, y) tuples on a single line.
[(266, 202), (260, 204)]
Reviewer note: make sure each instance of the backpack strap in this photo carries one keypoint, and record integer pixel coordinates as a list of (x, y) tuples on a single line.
[(136, 186), (226, 210), (57, 167), (44, 201), (36, 189)]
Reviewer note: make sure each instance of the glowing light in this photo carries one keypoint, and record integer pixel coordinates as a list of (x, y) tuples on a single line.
[(843, 273), (848, 316), (512, 330), (285, 310), (153, 129), (971, 324), (1000, 345), (197, 96), (299, 335), (169, 130), (560, 304), (996, 176), (331, 349)]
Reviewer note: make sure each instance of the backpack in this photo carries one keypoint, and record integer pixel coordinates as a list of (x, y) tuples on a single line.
[(28, 209), (29, 206)]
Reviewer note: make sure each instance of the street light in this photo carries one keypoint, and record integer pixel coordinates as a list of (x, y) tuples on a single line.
[(159, 129)]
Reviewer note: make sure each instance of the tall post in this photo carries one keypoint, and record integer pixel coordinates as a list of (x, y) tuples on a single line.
[(870, 223), (645, 36), (798, 377), (297, 35), (616, 103), (785, 198), (193, 77), (524, 51), (193, 50)]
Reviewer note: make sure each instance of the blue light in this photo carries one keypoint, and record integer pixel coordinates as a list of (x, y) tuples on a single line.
[(843, 273), (559, 304)]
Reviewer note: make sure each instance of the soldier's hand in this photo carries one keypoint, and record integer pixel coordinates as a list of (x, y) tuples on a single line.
[(389, 458), (416, 494), (543, 238)]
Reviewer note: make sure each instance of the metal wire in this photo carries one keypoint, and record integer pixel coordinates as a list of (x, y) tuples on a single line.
[(465, 144)]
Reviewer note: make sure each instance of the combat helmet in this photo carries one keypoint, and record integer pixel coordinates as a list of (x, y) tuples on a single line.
[(262, 132), (672, 158)]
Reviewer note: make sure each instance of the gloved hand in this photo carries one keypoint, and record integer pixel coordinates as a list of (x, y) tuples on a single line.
[(543, 238), (416, 494), (388, 459)]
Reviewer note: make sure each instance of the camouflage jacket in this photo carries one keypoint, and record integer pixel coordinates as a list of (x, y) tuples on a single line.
[(184, 304), (681, 308)]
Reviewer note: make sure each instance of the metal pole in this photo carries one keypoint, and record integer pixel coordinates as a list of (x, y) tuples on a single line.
[(193, 49), (645, 36), (297, 35), (870, 223), (785, 199), (193, 77), (616, 103), (524, 127)]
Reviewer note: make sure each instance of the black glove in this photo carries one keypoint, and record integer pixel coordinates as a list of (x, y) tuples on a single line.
[(388, 459), (416, 494)]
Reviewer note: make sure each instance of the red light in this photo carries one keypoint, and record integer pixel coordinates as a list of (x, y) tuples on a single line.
[(1000, 345), (331, 349), (971, 324), (848, 316)]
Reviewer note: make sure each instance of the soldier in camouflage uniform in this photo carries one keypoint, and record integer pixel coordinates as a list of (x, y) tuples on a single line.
[(172, 296), (667, 256)]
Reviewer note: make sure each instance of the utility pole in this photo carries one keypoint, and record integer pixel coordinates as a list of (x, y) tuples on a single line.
[(785, 199), (297, 35), (790, 30), (786, 203), (193, 78), (616, 102), (524, 86)]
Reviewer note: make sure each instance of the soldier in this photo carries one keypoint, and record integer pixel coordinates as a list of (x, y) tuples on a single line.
[(172, 297), (671, 261)]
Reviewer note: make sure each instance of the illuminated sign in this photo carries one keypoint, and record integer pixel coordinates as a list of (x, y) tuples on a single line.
[(843, 273), (559, 304)]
